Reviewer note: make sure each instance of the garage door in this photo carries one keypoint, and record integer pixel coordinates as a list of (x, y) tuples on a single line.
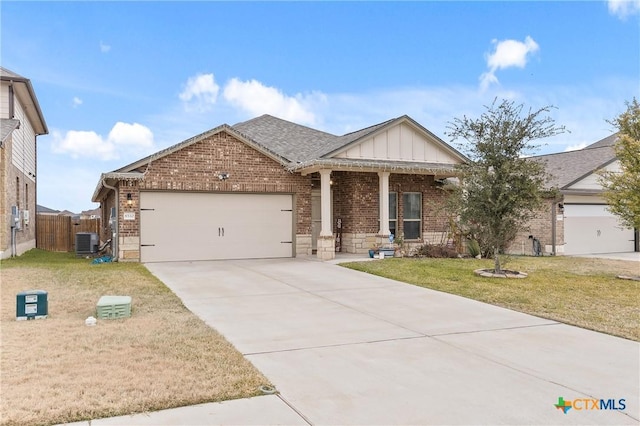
[(591, 228), (196, 226)]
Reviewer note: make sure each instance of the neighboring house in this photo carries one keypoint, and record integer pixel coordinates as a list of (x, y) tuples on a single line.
[(21, 122), (271, 188), (579, 217), (90, 214), (46, 211)]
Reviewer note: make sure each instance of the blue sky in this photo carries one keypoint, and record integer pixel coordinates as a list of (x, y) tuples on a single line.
[(117, 81)]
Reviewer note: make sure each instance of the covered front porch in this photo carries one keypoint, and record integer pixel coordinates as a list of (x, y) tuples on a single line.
[(355, 210)]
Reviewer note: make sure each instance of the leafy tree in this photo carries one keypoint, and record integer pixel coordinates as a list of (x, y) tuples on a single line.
[(622, 189), (500, 189)]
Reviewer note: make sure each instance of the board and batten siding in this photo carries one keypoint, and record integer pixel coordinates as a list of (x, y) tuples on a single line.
[(592, 181), (401, 143), (4, 101)]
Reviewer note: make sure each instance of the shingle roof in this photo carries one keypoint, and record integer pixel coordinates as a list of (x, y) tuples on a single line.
[(608, 141), (7, 126), (7, 74), (300, 144), (292, 145), (292, 141), (43, 209), (566, 168)]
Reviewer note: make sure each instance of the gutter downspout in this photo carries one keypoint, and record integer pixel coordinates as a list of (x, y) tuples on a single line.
[(115, 235)]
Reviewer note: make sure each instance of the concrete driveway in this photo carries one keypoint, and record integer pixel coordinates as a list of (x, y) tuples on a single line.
[(344, 347)]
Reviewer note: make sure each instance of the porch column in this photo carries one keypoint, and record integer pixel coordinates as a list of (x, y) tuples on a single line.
[(383, 178), (326, 243), (325, 203)]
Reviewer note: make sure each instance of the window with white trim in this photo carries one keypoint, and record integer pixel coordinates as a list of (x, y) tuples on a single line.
[(412, 215)]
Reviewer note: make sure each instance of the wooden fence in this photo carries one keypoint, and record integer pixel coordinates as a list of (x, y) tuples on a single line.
[(58, 233)]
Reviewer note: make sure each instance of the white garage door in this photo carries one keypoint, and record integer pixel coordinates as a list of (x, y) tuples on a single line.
[(591, 228), (194, 226)]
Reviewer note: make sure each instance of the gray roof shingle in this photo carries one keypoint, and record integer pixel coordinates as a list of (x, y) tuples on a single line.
[(608, 141), (7, 125), (566, 168), (292, 141)]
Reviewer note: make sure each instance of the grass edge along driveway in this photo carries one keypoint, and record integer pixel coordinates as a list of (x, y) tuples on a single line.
[(58, 370), (577, 291)]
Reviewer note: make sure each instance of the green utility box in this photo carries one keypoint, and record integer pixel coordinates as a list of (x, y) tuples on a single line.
[(32, 304), (112, 307)]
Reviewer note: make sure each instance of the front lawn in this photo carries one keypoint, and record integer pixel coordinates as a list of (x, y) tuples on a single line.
[(577, 291), (58, 370)]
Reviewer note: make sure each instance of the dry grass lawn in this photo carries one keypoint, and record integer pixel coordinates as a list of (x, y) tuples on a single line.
[(59, 370), (578, 291)]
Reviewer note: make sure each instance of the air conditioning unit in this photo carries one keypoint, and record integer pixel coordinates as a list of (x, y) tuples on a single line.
[(87, 243)]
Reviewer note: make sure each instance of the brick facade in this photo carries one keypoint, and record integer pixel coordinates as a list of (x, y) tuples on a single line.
[(541, 227), (356, 202), (195, 168)]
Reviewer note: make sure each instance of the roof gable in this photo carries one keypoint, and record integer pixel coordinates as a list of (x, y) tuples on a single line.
[(186, 143), (568, 168), (27, 96), (591, 180), (400, 139)]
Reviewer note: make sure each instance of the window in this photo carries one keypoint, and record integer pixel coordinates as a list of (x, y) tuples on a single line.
[(393, 212), (412, 217)]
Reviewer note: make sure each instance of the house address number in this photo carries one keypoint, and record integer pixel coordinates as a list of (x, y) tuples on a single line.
[(129, 216)]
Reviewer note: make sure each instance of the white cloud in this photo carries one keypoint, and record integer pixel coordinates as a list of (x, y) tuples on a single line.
[(104, 48), (79, 143), (257, 99), (200, 92), (576, 146), (123, 139), (624, 8), (131, 135), (507, 54), (76, 101)]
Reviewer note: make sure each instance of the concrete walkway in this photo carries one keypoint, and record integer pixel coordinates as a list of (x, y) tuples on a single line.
[(628, 256), (343, 347)]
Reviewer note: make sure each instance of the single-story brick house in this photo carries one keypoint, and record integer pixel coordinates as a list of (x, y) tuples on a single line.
[(268, 187), (578, 222)]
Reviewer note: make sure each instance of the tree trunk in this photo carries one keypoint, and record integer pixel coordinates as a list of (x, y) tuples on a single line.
[(497, 268)]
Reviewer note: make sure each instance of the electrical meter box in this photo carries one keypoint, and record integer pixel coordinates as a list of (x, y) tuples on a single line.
[(32, 304)]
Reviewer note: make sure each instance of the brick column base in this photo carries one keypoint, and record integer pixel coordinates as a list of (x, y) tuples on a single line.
[(326, 248)]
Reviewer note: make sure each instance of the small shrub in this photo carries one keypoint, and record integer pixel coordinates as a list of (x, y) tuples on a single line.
[(436, 251), (474, 248)]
